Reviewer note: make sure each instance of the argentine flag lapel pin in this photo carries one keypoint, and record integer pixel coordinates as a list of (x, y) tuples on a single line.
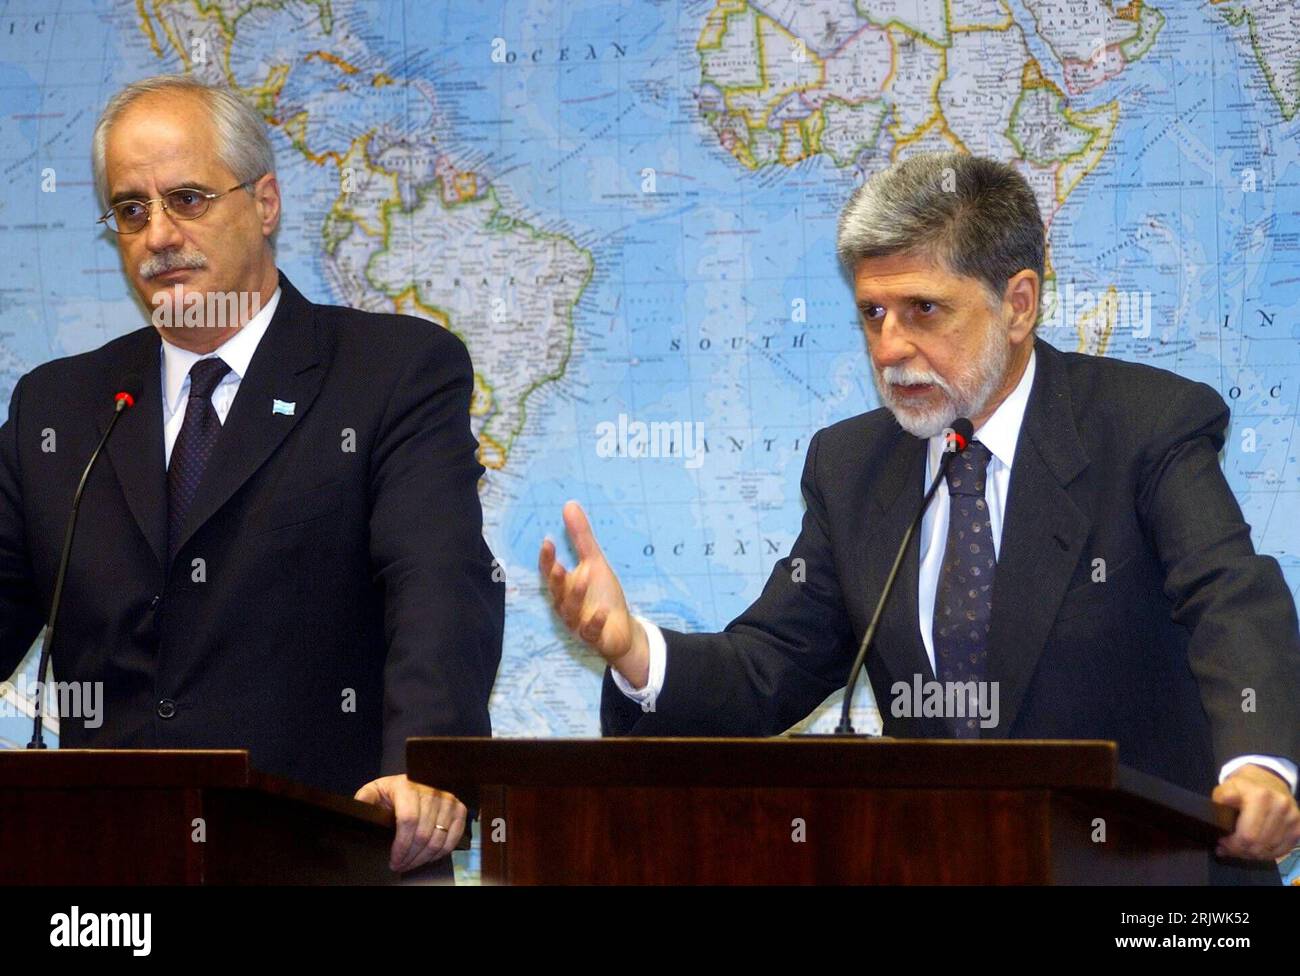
[(283, 407)]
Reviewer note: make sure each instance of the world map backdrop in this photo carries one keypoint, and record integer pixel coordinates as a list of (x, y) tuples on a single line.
[(627, 212)]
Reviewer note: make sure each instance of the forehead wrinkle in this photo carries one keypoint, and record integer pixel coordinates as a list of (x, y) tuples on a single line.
[(908, 292), (171, 162)]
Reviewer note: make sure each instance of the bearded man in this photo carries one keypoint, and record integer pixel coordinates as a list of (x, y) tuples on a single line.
[(1083, 555)]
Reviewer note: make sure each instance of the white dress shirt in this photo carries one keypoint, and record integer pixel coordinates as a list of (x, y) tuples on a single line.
[(999, 434), (237, 352)]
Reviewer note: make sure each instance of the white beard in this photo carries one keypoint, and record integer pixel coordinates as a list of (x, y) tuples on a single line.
[(965, 396)]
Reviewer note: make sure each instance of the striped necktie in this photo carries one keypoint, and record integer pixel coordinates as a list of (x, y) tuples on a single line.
[(193, 445)]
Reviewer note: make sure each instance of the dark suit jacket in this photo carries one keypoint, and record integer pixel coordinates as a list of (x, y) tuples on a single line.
[(329, 574), (1115, 460)]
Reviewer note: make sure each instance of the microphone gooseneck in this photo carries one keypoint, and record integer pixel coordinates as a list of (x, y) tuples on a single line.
[(124, 399), (958, 436)]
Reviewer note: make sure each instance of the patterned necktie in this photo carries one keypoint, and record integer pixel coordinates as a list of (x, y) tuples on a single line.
[(964, 601), (193, 445)]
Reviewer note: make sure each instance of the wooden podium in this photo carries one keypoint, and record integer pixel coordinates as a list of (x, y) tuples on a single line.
[(821, 810), (79, 816)]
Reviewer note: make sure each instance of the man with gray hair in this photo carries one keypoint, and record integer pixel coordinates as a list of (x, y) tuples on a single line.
[(283, 551), (1083, 565)]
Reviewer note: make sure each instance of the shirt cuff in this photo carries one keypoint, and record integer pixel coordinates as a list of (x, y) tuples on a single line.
[(1283, 767), (646, 696)]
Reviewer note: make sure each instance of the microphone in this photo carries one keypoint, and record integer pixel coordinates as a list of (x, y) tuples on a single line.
[(958, 436), (124, 399)]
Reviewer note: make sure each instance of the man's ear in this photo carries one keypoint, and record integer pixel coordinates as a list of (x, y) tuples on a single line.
[(266, 195), (1020, 304)]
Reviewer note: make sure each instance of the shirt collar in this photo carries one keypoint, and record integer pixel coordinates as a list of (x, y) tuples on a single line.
[(237, 352), (1002, 430)]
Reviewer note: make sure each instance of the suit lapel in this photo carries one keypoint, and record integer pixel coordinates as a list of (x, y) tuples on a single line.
[(136, 448), (1043, 533), (286, 366)]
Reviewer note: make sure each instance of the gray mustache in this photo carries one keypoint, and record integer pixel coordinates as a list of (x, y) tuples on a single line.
[(904, 377), (171, 261)]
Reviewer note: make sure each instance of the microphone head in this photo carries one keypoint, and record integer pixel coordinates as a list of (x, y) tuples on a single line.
[(960, 431), (129, 391)]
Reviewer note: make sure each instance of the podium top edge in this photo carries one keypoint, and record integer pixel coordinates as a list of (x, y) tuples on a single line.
[(1080, 767), (126, 768), (822, 761), (168, 769)]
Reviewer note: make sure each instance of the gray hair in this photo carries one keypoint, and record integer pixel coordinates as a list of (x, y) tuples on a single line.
[(977, 217), (242, 142)]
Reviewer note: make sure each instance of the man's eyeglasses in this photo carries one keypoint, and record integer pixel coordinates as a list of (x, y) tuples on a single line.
[(183, 203)]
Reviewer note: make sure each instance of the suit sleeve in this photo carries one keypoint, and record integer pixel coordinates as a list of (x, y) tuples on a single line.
[(772, 665), (443, 609), (20, 613), (1244, 646)]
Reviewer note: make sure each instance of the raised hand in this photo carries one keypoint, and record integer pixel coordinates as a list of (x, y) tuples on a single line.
[(590, 601)]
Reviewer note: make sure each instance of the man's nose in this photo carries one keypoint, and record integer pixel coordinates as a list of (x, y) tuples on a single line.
[(892, 346), (161, 233)]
